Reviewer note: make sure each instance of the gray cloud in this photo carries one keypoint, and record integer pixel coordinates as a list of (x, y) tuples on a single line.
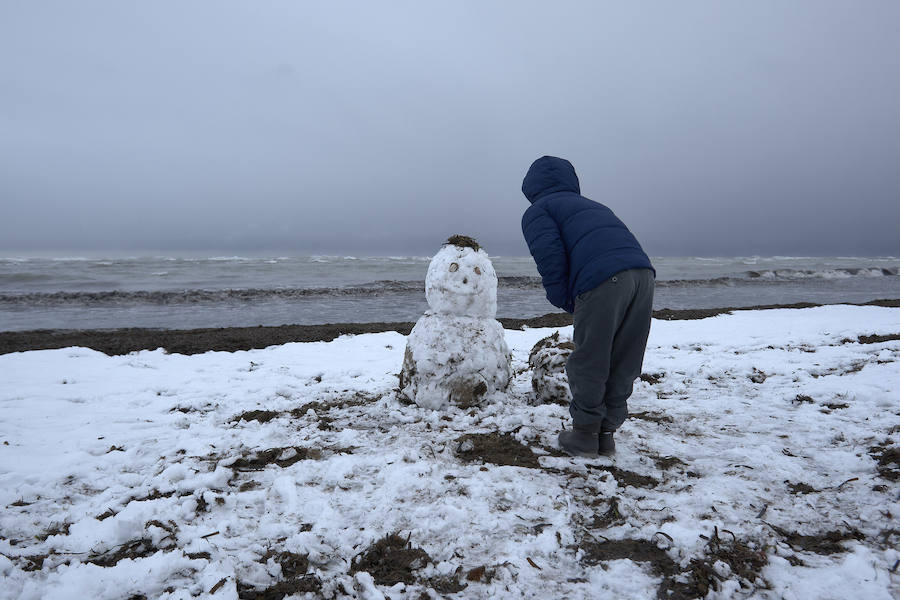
[(710, 128)]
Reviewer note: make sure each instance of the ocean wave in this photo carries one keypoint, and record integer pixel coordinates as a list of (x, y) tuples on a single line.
[(26, 277), (840, 273), (225, 296), (382, 288), (201, 296)]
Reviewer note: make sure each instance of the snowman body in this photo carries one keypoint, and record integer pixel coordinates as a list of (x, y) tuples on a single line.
[(457, 353)]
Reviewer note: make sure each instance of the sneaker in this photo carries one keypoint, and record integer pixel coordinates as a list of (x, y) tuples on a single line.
[(607, 443)]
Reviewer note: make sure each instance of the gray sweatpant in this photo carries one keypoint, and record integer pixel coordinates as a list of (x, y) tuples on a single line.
[(612, 322)]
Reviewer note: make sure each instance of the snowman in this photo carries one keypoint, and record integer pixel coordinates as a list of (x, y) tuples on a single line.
[(456, 353)]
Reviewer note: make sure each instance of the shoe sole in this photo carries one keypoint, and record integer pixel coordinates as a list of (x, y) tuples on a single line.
[(581, 454)]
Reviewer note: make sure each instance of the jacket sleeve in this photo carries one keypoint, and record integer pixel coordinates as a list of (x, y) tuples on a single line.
[(545, 244)]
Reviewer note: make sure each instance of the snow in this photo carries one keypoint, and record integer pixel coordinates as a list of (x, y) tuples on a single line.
[(98, 453)]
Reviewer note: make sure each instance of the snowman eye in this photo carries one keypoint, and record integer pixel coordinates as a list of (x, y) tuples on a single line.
[(477, 271), (454, 267)]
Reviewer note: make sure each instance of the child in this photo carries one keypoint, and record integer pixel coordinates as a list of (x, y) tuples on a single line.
[(592, 266)]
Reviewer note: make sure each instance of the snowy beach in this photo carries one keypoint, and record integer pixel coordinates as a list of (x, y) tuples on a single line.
[(760, 460)]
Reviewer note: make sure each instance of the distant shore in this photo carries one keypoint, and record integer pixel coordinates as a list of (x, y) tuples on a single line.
[(229, 339)]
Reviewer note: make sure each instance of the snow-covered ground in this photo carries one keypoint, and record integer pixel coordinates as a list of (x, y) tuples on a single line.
[(760, 460)]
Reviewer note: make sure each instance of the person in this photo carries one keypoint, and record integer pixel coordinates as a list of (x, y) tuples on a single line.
[(593, 266)]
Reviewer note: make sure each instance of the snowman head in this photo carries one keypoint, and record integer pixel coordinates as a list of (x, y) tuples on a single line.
[(461, 281)]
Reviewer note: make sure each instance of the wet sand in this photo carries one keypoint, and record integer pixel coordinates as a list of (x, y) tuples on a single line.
[(196, 341)]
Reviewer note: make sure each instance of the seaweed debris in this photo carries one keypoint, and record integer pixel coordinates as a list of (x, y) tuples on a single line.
[(463, 241), (390, 560), (825, 543), (282, 457), (888, 459)]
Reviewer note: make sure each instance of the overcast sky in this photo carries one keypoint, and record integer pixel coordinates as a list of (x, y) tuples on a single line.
[(710, 128)]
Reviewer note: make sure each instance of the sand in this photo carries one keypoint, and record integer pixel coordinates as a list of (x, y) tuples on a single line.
[(228, 339)]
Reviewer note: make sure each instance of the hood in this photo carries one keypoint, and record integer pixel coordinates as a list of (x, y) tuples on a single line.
[(547, 175)]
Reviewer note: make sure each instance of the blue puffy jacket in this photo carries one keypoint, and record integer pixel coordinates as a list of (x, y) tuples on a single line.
[(577, 243)]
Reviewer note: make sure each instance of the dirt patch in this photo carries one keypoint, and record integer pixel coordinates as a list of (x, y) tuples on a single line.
[(317, 407), (391, 560), (186, 341), (292, 565), (652, 417), (320, 408), (698, 579), (888, 459), (626, 478), (828, 542), (757, 376), (854, 367), (263, 416), (156, 495), (744, 564), (610, 518), (282, 457), (466, 395), (652, 378), (878, 339), (668, 314), (836, 406), (595, 552), (282, 589), (55, 529), (325, 422), (447, 584), (35, 562), (139, 548), (664, 463), (481, 573), (133, 549), (249, 486), (547, 320), (496, 448), (801, 488), (295, 579)]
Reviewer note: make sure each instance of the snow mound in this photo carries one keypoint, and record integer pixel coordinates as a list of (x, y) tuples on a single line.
[(547, 361)]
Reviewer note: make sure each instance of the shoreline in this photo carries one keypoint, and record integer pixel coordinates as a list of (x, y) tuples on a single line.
[(230, 339)]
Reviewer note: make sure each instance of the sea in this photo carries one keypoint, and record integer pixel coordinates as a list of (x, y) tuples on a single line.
[(186, 292)]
